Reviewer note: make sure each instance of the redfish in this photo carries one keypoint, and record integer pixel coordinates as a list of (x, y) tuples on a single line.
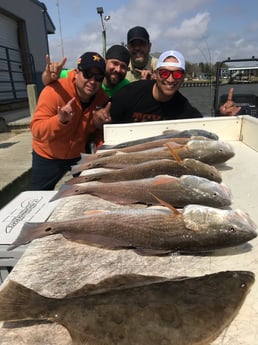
[(206, 151), (177, 191), (151, 231), (145, 146), (168, 134), (149, 169), (137, 309)]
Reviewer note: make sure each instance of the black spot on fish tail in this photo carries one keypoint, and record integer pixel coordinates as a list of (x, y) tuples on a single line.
[(31, 231)]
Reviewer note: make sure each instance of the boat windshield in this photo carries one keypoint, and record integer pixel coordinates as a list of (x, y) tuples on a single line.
[(242, 75)]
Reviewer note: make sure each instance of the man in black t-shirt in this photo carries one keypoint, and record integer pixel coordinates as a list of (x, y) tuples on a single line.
[(154, 100), (160, 99)]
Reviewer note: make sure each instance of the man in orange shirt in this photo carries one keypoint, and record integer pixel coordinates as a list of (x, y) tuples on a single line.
[(65, 120)]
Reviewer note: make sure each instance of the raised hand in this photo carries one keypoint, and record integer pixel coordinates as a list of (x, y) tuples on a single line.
[(229, 107), (66, 113), (102, 116), (52, 70)]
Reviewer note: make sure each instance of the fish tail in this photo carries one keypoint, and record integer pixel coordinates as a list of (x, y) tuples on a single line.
[(80, 179), (78, 168), (64, 191), (31, 231), (86, 157), (21, 303)]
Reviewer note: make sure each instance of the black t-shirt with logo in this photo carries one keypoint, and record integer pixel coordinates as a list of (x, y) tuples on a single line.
[(134, 103)]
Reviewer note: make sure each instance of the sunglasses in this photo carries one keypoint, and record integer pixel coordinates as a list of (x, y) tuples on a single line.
[(88, 75), (165, 73)]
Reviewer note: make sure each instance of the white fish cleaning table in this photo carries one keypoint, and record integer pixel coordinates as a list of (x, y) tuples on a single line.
[(53, 266)]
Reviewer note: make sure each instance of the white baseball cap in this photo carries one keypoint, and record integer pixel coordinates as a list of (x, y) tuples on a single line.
[(169, 53)]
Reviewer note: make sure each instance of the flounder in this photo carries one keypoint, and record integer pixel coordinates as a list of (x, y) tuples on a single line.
[(135, 309)]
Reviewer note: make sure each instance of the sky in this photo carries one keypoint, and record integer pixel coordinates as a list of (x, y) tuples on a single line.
[(202, 30)]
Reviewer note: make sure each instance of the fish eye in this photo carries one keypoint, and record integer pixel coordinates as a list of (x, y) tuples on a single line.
[(232, 229)]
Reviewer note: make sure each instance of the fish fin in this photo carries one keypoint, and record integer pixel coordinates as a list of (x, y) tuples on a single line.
[(87, 157), (31, 231), (19, 303), (65, 187), (166, 204), (163, 179), (80, 179), (173, 148), (116, 282), (199, 137), (173, 132), (84, 164), (118, 152), (75, 169), (67, 190), (91, 338), (92, 212), (151, 252), (197, 132)]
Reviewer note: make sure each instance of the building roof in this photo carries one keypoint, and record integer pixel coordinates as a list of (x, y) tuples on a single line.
[(49, 23)]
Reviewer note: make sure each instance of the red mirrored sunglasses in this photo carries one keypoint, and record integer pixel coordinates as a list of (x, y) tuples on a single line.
[(165, 73)]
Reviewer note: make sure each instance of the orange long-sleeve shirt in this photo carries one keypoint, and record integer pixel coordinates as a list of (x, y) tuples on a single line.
[(54, 140)]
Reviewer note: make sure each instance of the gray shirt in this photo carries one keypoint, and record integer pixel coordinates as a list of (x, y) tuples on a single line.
[(133, 75)]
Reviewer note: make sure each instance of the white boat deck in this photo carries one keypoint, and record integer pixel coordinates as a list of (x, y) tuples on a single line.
[(41, 267)]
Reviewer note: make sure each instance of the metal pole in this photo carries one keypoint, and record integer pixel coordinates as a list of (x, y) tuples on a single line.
[(103, 37), (104, 43), (100, 11)]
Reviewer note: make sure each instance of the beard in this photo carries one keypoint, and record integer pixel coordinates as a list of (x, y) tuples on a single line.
[(114, 78)]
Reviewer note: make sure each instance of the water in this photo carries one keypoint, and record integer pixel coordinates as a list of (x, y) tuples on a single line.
[(200, 97), (203, 97)]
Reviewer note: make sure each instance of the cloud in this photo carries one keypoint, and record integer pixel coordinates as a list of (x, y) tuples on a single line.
[(192, 27)]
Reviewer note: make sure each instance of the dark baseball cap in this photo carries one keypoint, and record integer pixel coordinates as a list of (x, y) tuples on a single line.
[(91, 59), (118, 52), (138, 33)]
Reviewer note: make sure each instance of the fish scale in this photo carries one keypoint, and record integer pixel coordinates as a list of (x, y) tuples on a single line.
[(137, 309), (151, 169), (193, 229), (207, 151), (178, 192)]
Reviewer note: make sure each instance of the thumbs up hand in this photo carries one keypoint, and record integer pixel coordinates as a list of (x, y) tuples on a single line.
[(102, 116)]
